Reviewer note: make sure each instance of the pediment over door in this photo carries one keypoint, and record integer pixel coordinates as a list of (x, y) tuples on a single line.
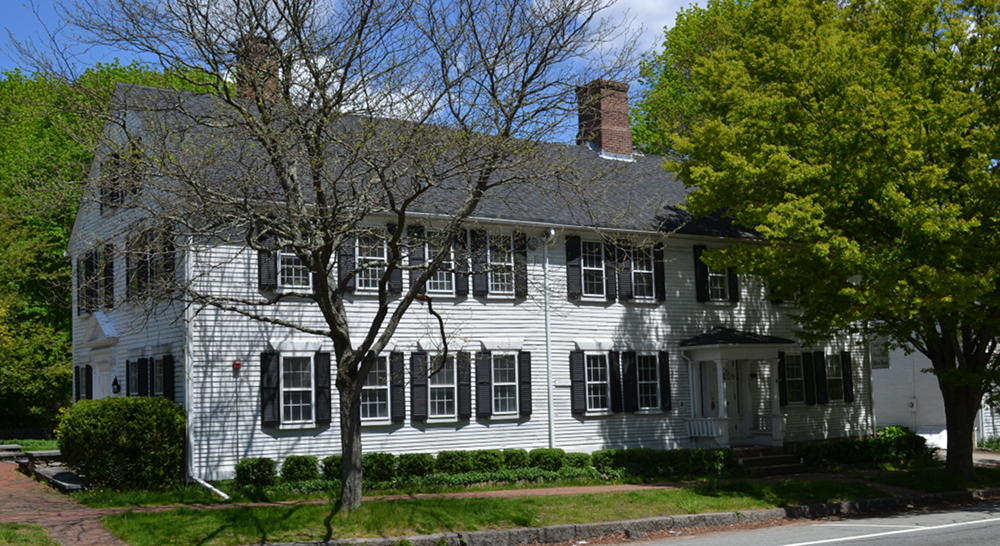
[(101, 331)]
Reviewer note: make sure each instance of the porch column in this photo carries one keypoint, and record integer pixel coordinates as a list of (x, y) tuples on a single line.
[(694, 380), (720, 378), (777, 423)]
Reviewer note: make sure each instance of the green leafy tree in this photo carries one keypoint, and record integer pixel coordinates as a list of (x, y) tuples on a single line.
[(860, 139), (48, 130)]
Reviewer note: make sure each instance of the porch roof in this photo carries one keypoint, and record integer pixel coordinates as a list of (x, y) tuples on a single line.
[(729, 336), (729, 344)]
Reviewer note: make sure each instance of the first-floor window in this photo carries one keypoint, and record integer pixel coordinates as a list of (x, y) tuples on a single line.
[(292, 272), (834, 377), (795, 378), (442, 387), (133, 378), (648, 376), (158, 377), (375, 393), (296, 389), (504, 384), (597, 382)]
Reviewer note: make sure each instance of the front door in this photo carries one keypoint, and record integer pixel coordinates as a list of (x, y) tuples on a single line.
[(738, 412)]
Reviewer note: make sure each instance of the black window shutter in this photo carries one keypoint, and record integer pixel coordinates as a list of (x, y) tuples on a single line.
[(128, 378), (520, 265), (81, 286), (809, 375), (270, 384), (462, 263), (346, 264), (623, 257), (415, 237), (659, 275), (76, 383), (574, 267), (90, 272), (630, 376), (108, 276), (480, 279), (484, 384), (734, 284), (418, 386), (847, 374), (168, 255), (782, 381), (168, 377), (700, 274), (397, 388), (524, 383), (822, 392), (396, 276), (666, 399), (88, 379), (610, 276), (464, 370), (144, 376), (578, 390), (321, 371), (267, 270), (143, 265), (616, 382)]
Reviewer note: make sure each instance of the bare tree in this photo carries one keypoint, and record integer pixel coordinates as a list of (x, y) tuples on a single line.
[(322, 120)]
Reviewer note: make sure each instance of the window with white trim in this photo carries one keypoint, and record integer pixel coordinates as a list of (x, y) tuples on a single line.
[(648, 379), (597, 382), (592, 265), (718, 284), (292, 272), (500, 260), (504, 384), (834, 378), (642, 274), (133, 378), (443, 280), (795, 382), (296, 389), (442, 388), (158, 376), (372, 256), (375, 392)]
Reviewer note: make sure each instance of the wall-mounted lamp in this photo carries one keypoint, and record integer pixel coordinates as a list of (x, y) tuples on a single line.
[(237, 365), (115, 386)]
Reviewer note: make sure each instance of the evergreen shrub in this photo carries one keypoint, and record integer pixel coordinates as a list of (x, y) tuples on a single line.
[(547, 458), (299, 468), (578, 460), (378, 467), (487, 460), (454, 462), (256, 472), (415, 464), (332, 467), (516, 458)]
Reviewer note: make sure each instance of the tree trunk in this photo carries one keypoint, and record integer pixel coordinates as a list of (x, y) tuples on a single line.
[(961, 403), (350, 445)]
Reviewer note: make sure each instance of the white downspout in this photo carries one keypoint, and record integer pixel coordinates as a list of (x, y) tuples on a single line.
[(188, 364), (548, 240)]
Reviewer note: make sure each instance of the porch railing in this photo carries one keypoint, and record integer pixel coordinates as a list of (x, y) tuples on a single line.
[(706, 427)]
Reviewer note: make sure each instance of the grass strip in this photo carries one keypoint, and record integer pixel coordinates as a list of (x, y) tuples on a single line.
[(937, 480), (34, 445), (246, 525), (17, 534)]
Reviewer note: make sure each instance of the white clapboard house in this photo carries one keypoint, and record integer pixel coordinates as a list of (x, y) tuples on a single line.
[(584, 345)]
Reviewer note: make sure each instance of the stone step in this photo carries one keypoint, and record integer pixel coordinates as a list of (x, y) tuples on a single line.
[(4, 448)]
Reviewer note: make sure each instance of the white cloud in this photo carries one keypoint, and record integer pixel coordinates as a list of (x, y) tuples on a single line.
[(653, 15)]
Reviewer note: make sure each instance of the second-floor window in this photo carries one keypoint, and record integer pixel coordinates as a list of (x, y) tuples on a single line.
[(500, 261), (592, 263), (372, 257), (292, 272), (642, 274), (443, 281), (96, 279), (718, 284)]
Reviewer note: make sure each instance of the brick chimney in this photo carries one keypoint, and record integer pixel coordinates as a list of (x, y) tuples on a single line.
[(258, 68), (604, 117)]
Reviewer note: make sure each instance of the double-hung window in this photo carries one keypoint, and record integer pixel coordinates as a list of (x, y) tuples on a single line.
[(500, 261), (292, 272), (642, 274), (96, 279), (372, 257), (158, 377), (795, 382), (442, 387), (648, 380), (505, 384), (375, 393), (133, 378), (718, 284), (597, 382), (592, 264), (443, 281), (834, 377), (296, 389)]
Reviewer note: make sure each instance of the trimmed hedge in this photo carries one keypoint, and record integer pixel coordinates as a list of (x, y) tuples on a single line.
[(516, 458), (378, 467), (415, 465), (299, 468), (578, 460), (644, 462), (896, 446), (487, 460), (332, 467), (124, 443), (454, 462), (256, 472), (547, 458)]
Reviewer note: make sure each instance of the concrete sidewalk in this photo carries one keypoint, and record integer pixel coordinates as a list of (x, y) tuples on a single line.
[(23, 500)]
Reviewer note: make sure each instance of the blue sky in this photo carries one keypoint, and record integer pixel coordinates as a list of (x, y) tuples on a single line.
[(18, 19)]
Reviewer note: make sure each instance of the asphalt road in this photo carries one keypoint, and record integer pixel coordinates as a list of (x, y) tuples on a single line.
[(972, 525)]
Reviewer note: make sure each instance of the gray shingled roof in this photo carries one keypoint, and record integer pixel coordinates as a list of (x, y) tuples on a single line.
[(641, 195), (729, 336)]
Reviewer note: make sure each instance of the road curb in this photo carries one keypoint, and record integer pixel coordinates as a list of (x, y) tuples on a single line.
[(638, 527)]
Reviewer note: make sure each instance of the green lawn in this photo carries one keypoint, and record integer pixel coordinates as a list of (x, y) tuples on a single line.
[(936, 480), (234, 526), (34, 445), (16, 534)]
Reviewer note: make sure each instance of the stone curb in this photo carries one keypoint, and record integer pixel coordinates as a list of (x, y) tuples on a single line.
[(637, 528)]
